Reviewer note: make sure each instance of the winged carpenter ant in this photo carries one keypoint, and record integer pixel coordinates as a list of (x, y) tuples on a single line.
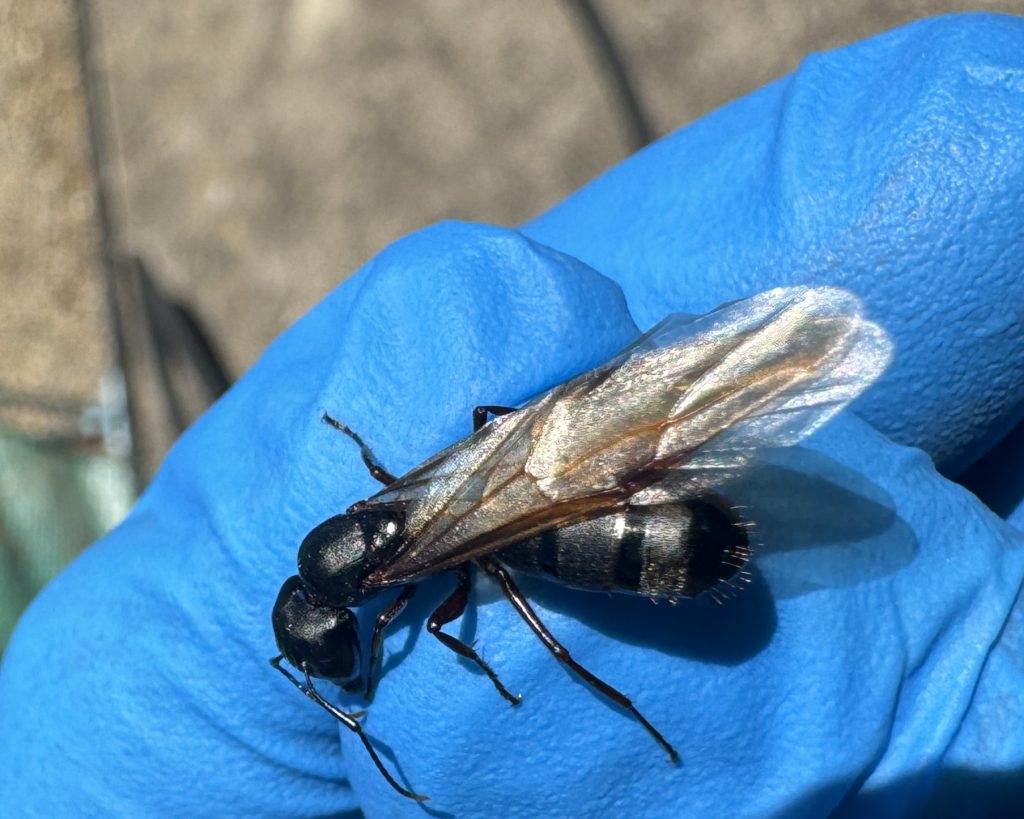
[(607, 482)]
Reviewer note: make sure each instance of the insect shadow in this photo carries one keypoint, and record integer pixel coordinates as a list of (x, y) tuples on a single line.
[(819, 524)]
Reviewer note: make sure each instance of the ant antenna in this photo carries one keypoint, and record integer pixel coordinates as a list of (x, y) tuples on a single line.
[(374, 467)]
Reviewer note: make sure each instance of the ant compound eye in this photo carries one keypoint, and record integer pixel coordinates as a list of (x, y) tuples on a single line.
[(321, 639), (336, 556)]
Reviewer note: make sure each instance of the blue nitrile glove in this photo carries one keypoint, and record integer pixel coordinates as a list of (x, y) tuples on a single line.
[(875, 665)]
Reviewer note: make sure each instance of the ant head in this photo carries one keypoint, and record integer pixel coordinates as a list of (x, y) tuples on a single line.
[(320, 639), (339, 553)]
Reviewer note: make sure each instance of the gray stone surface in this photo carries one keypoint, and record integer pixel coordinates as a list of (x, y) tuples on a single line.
[(53, 339)]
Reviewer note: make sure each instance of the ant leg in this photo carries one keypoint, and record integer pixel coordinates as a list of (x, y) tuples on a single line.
[(480, 413), (449, 610), (525, 610), (383, 619), (348, 720), (372, 464)]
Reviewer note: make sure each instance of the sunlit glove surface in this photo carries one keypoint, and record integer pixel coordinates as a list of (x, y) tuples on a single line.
[(875, 664)]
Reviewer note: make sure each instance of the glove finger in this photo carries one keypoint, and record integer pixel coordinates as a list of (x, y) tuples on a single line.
[(892, 167), (159, 635)]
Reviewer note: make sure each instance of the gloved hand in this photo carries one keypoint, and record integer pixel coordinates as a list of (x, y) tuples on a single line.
[(873, 667)]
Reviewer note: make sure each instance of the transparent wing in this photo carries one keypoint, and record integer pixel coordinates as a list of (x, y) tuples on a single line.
[(694, 399)]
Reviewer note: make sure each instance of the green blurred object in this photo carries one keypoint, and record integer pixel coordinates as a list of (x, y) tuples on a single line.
[(55, 499)]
